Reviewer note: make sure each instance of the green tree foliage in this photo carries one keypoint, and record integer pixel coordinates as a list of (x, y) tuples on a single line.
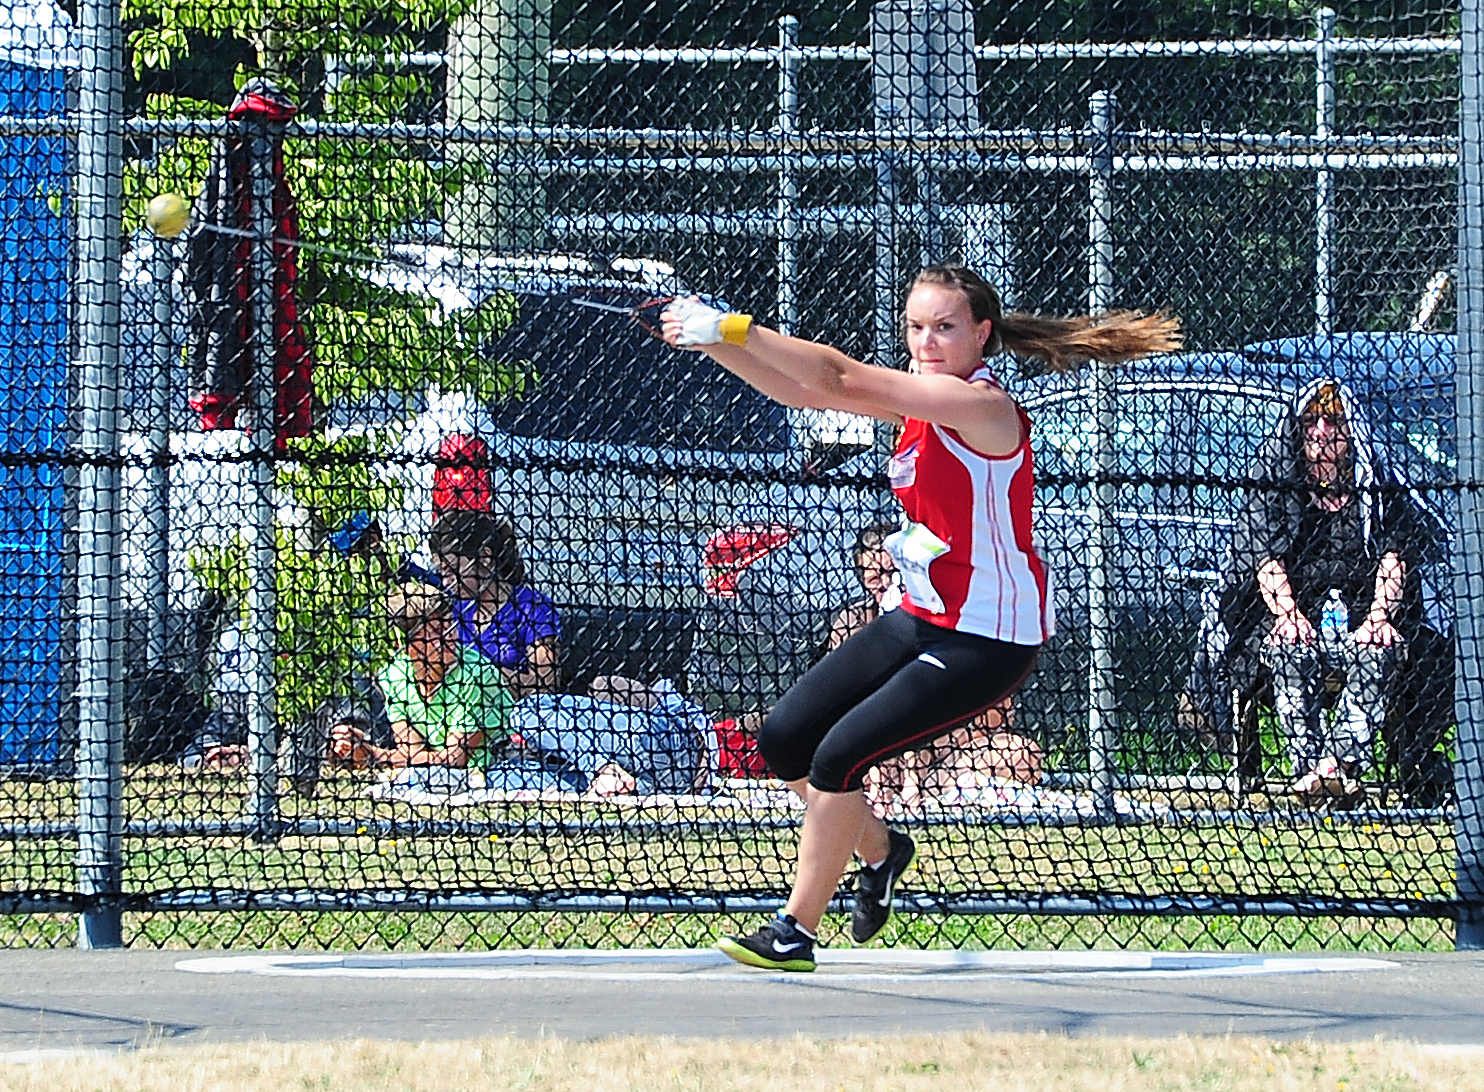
[(351, 195), (319, 650), (339, 60), (284, 33)]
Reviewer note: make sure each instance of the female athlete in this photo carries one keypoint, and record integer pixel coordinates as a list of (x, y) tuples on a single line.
[(977, 603)]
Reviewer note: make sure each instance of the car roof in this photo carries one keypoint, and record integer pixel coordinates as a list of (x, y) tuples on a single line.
[(458, 281), (1370, 361), (1378, 357)]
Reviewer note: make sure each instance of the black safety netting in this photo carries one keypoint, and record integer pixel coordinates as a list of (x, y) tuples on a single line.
[(376, 576)]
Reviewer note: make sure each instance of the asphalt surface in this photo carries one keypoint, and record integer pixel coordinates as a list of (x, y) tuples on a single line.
[(116, 1000)]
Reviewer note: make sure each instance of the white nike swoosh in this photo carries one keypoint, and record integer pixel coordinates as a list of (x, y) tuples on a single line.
[(784, 949), (885, 899)]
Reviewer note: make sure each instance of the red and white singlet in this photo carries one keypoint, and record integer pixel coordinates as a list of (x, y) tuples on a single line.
[(966, 558)]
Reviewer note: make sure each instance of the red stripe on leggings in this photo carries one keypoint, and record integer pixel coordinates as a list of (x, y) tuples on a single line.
[(931, 732)]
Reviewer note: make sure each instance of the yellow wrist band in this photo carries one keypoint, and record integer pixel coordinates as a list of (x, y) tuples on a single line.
[(734, 327)]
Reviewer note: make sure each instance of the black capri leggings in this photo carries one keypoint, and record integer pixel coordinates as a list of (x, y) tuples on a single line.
[(890, 688)]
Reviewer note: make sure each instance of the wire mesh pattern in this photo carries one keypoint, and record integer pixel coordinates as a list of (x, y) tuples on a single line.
[(375, 576)]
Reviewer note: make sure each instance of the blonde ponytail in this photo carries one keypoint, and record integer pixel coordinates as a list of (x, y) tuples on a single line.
[(1113, 337)]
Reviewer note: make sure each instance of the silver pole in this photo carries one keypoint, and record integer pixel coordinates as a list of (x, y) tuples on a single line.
[(885, 337), (931, 244), (788, 184), (262, 600), (1324, 121), (885, 287), (1468, 549), (99, 187), (1102, 703), (156, 539)]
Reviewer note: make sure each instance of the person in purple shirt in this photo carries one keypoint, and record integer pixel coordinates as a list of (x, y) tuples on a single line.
[(515, 626)]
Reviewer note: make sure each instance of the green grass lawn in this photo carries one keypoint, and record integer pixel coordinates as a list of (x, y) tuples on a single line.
[(1260, 852)]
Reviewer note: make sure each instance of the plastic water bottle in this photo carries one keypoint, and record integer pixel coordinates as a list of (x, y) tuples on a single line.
[(1334, 617)]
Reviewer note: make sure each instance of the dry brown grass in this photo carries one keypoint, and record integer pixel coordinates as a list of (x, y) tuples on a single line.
[(954, 1062)]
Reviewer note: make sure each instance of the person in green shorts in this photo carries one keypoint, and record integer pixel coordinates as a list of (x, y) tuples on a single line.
[(447, 702)]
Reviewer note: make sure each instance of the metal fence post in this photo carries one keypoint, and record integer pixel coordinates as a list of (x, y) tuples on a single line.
[(1469, 544), (1102, 712), (1324, 121), (889, 118), (156, 539), (99, 187), (884, 341), (788, 183), (262, 597)]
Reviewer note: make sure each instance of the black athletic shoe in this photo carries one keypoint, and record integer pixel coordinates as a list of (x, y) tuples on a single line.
[(778, 946), (873, 890)]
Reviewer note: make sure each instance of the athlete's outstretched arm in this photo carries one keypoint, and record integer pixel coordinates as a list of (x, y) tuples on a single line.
[(780, 386), (810, 374), (736, 356)]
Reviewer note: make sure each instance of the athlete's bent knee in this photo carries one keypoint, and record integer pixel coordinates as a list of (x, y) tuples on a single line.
[(833, 772), (778, 741), (832, 785)]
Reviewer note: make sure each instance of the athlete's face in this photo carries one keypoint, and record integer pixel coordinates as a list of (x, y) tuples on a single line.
[(1326, 437), (942, 336)]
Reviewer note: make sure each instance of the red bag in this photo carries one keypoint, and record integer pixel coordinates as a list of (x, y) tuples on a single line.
[(219, 276), (739, 754), (461, 476)]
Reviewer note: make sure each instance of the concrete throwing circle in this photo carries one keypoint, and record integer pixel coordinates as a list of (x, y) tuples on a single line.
[(861, 965)]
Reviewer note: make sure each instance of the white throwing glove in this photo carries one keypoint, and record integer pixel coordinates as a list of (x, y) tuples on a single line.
[(703, 325)]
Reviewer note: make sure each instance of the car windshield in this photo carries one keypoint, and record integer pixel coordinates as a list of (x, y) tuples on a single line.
[(1160, 431), (1227, 429), (1429, 446), (1142, 433), (1212, 431), (596, 376)]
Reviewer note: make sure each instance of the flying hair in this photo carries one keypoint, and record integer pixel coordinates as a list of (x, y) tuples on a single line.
[(1061, 343)]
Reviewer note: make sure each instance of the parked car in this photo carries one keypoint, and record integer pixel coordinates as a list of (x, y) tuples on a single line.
[(1187, 428), (616, 458)]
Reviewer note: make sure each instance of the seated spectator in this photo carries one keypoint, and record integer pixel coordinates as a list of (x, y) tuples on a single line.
[(987, 746), (446, 702), (222, 742), (880, 588), (1321, 589), (514, 626), (623, 737)]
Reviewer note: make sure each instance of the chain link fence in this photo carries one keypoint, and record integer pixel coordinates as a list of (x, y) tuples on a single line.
[(312, 310)]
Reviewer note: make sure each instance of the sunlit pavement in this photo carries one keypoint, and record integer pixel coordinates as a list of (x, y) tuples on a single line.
[(870, 965), (112, 1000)]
